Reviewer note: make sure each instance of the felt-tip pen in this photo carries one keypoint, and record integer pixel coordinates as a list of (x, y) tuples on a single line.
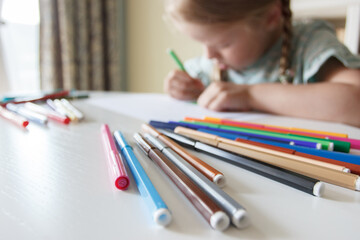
[(157, 206), (176, 59)]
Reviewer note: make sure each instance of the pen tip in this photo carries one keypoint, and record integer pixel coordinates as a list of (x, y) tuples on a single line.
[(25, 123), (67, 120)]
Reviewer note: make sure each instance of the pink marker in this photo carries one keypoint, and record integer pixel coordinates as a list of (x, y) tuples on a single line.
[(115, 162)]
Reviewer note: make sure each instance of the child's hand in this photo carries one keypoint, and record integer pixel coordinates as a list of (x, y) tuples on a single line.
[(179, 85), (225, 96)]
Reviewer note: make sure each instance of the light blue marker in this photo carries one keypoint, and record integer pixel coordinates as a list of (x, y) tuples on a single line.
[(157, 206), (28, 114)]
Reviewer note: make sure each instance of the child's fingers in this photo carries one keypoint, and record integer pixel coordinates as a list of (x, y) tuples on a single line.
[(181, 86), (210, 94), (225, 97)]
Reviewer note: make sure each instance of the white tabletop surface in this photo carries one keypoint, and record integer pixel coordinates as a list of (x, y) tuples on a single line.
[(54, 184)]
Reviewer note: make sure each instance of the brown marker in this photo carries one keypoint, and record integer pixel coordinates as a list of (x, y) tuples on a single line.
[(213, 214), (211, 173)]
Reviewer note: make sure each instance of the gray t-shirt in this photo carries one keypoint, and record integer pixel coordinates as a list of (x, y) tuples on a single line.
[(313, 43)]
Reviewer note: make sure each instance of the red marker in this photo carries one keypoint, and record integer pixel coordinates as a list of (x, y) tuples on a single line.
[(14, 118), (60, 94), (47, 112), (116, 164)]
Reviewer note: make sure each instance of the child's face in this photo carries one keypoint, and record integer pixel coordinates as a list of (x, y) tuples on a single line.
[(236, 46)]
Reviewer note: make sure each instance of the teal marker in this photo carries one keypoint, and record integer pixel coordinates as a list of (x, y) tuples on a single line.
[(176, 59)]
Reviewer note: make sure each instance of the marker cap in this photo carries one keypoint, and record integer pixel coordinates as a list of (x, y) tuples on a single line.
[(219, 221), (319, 188), (162, 216), (220, 180), (240, 219)]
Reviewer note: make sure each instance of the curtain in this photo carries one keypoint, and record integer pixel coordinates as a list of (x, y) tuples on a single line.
[(4, 84), (81, 44)]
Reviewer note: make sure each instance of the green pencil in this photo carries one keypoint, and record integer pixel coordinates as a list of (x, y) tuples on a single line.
[(176, 59)]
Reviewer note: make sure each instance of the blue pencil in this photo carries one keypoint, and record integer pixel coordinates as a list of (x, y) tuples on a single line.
[(157, 206)]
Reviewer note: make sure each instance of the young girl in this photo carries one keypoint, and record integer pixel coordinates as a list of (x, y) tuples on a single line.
[(273, 66)]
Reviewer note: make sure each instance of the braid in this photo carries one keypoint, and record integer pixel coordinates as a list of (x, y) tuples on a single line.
[(285, 72)]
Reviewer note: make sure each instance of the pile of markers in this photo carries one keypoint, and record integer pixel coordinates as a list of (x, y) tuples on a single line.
[(198, 181), (299, 158), (325, 156), (21, 111)]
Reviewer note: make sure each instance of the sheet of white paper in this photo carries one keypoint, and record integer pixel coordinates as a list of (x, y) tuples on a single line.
[(161, 107)]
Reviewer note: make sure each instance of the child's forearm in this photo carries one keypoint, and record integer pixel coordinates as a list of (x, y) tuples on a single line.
[(323, 101)]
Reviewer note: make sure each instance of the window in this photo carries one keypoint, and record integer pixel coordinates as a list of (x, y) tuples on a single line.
[(19, 46)]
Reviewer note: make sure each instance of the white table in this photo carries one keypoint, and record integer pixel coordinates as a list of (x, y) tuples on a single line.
[(54, 184)]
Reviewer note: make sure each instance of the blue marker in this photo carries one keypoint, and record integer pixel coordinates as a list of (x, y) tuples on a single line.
[(163, 125), (339, 156), (233, 135), (157, 206), (28, 114), (291, 141)]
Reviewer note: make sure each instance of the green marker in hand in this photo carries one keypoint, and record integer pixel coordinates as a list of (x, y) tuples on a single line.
[(176, 59)]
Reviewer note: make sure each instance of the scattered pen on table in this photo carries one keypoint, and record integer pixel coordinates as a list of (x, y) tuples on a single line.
[(238, 215), (212, 213), (79, 115), (28, 114), (41, 98), (289, 178), (339, 178), (13, 117), (47, 112), (116, 164), (208, 171), (61, 107), (160, 212)]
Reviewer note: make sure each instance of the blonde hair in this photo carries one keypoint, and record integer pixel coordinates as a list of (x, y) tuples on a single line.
[(229, 11)]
